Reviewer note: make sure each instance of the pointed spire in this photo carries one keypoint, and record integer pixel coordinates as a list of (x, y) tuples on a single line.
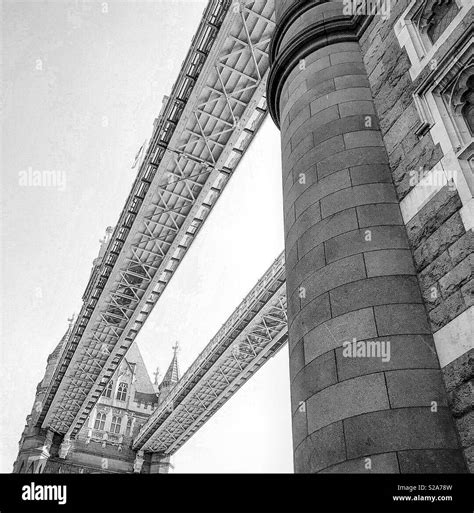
[(157, 375), (59, 348), (172, 376)]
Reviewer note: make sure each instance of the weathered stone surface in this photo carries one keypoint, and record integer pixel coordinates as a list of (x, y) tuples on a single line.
[(362, 241), (462, 399), (373, 433), (428, 461), (300, 427), (317, 375), (447, 310), (427, 382), (313, 314), (467, 292), (459, 371), (465, 426), (352, 157), (321, 449), (342, 271), (434, 271), (440, 208), (401, 319), (377, 173), (319, 190), (347, 399), (406, 351), (462, 248), (359, 324), (389, 262), (367, 194), (402, 126), (328, 228), (446, 235), (425, 155), (379, 214), (377, 464), (457, 277), (383, 290)]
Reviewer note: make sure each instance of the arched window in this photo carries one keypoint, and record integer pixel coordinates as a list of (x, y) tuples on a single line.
[(122, 392), (116, 424), (99, 421), (108, 389), (433, 18), (128, 429), (468, 104), (441, 15)]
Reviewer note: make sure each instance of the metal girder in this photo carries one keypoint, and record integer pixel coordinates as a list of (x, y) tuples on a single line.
[(214, 110), (233, 355)]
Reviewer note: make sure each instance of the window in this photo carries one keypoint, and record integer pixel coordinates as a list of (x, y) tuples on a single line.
[(425, 25), (116, 424), (128, 429), (122, 392), (433, 18), (108, 389), (467, 100), (99, 421), (441, 16), (458, 96)]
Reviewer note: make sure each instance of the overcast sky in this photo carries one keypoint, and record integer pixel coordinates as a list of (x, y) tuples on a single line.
[(81, 85)]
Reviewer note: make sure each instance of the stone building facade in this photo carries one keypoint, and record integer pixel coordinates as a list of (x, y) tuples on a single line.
[(104, 442), (374, 101), (420, 66)]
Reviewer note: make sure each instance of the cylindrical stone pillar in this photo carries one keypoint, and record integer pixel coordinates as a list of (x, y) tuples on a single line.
[(367, 393)]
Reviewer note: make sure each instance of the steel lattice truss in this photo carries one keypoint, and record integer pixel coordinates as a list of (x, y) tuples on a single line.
[(215, 108), (255, 332)]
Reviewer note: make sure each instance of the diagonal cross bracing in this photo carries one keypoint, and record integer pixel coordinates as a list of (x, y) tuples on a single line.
[(214, 110), (253, 333)]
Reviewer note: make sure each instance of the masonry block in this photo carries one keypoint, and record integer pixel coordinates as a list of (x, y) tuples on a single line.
[(347, 399), (372, 433), (320, 449)]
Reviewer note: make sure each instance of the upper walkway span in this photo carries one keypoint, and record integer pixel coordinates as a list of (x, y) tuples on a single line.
[(205, 126)]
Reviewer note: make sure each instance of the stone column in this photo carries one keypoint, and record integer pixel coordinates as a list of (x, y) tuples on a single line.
[(159, 463), (366, 389)]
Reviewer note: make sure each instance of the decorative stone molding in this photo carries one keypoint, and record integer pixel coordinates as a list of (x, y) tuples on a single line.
[(316, 32), (413, 26), (65, 447), (433, 16), (138, 463), (48, 440), (442, 100)]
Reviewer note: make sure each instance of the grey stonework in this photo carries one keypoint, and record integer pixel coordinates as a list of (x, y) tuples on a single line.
[(350, 271), (441, 247)]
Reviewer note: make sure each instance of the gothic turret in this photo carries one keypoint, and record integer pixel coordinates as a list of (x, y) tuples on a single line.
[(171, 376)]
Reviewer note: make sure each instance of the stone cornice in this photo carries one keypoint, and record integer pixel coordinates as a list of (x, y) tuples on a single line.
[(318, 35)]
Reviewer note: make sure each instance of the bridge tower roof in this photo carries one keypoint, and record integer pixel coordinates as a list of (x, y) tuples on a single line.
[(172, 375)]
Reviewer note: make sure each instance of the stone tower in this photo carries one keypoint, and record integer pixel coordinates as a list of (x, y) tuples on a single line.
[(374, 256), (104, 443)]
